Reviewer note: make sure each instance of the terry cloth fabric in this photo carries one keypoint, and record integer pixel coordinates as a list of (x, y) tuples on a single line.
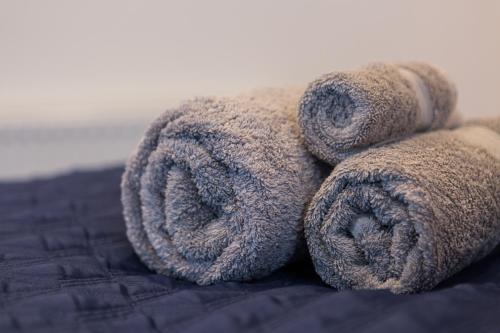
[(408, 215), (218, 186), (342, 113)]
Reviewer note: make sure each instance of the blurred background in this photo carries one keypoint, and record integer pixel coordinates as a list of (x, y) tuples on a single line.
[(80, 80)]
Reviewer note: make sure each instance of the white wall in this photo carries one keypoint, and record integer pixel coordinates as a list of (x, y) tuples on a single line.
[(78, 61)]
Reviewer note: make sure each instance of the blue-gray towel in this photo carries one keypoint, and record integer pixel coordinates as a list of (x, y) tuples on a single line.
[(342, 113), (217, 188), (407, 215)]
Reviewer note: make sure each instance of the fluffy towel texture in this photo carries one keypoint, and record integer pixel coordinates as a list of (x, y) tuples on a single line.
[(407, 215), (342, 113), (218, 187)]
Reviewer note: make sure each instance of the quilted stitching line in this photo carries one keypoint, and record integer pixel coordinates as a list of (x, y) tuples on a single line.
[(54, 254), (221, 305), (64, 287)]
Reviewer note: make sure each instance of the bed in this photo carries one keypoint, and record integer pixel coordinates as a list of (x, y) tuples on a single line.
[(66, 266)]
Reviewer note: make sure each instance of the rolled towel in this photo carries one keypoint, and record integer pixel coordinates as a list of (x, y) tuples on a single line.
[(217, 188), (342, 113), (407, 215)]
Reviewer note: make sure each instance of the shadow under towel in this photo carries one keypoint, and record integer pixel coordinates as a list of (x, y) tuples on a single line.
[(217, 188), (410, 214), (342, 113)]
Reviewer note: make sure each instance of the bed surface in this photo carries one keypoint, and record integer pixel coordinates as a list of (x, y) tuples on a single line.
[(66, 266)]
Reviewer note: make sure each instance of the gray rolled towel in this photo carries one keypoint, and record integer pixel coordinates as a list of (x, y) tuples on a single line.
[(218, 186), (342, 113), (407, 215)]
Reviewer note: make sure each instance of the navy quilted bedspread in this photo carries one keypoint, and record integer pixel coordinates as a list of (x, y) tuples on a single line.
[(66, 266)]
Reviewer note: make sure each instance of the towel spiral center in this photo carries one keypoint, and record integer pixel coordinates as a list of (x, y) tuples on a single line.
[(187, 198), (373, 233)]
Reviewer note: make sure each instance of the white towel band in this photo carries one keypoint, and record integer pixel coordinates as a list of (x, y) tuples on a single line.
[(426, 113), (482, 137)]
